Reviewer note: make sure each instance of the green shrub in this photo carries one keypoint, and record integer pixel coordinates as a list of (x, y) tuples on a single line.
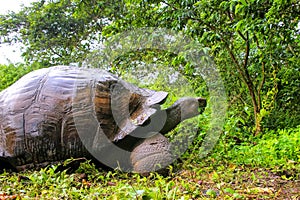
[(279, 148), (11, 73)]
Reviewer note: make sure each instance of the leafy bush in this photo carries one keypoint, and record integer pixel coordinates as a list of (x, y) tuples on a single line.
[(11, 73), (286, 112), (276, 149)]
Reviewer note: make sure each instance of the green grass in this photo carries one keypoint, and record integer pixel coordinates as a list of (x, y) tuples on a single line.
[(226, 181), (275, 149), (267, 170)]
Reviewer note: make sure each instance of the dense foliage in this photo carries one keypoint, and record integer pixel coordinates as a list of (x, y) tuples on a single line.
[(57, 31), (255, 44)]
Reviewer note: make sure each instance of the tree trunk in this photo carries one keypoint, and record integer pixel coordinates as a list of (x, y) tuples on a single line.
[(246, 78), (257, 129), (256, 108)]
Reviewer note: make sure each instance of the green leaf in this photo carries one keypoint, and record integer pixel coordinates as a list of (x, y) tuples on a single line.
[(244, 2)]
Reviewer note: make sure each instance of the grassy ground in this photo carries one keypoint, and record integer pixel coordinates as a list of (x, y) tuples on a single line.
[(265, 168), (196, 181)]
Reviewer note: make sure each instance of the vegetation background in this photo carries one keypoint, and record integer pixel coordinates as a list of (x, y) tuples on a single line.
[(255, 45)]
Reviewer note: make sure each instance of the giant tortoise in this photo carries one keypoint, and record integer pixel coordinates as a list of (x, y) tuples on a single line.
[(62, 112)]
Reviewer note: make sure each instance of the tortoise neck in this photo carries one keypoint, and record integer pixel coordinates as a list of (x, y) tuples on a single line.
[(172, 120)]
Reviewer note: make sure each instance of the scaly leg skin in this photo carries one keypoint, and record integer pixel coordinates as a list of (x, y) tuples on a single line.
[(153, 154)]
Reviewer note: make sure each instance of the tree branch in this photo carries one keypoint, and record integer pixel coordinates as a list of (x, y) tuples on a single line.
[(55, 53), (261, 83), (242, 36), (256, 41), (236, 62), (247, 52), (229, 15), (170, 5)]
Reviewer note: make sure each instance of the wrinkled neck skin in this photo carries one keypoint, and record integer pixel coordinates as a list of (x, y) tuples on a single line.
[(168, 119), (173, 118), (163, 121), (181, 110)]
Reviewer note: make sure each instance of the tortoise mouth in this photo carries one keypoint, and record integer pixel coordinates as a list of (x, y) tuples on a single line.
[(202, 102)]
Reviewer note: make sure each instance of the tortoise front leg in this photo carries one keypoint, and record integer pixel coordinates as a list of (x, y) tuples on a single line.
[(153, 154)]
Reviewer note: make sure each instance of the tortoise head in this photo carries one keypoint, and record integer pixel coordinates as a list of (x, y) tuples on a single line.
[(187, 107), (182, 109)]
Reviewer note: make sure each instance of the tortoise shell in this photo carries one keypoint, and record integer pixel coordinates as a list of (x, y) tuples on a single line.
[(43, 112)]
